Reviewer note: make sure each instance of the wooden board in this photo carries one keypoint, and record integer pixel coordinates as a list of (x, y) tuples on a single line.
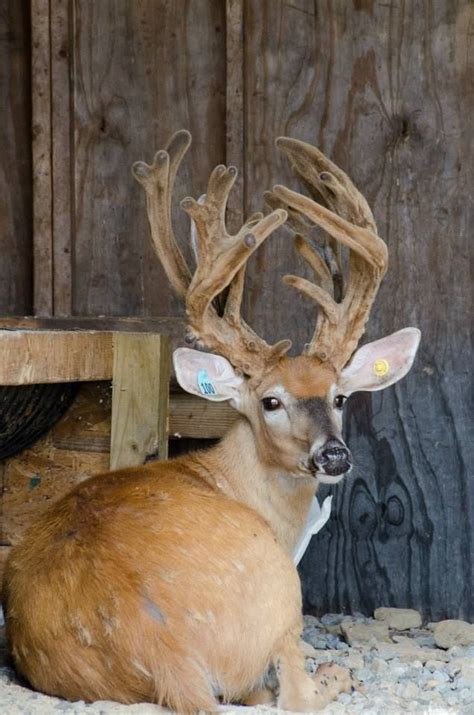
[(140, 399), (28, 357), (190, 417), (15, 158), (117, 94), (341, 75)]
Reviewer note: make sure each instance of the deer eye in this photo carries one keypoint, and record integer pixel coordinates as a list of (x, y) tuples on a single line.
[(339, 401), (271, 403)]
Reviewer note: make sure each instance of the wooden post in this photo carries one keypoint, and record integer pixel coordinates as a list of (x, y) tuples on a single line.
[(140, 399)]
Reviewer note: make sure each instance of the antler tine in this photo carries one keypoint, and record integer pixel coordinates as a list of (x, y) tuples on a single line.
[(158, 181), (350, 223)]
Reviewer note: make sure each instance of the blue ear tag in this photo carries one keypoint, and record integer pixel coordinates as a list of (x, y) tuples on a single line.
[(205, 384)]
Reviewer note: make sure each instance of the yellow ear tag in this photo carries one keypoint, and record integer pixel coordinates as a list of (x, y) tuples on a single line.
[(381, 367)]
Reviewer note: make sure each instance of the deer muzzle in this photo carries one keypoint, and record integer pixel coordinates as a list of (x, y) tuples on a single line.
[(333, 458)]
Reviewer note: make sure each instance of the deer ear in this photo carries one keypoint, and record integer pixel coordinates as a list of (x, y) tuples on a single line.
[(381, 363), (207, 375)]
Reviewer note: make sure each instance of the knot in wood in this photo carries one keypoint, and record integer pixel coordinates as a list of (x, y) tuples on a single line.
[(250, 240)]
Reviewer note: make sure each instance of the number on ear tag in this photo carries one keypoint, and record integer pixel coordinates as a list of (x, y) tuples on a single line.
[(205, 383)]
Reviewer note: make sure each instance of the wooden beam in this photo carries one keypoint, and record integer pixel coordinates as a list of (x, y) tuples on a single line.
[(189, 417), (28, 357), (173, 327), (140, 402)]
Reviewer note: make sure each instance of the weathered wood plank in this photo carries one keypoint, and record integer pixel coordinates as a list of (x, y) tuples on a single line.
[(15, 158), (28, 357), (235, 153), (62, 207), (173, 327), (140, 71), (341, 76), (42, 148), (190, 417), (140, 399)]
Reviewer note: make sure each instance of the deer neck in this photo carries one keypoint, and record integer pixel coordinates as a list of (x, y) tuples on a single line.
[(236, 470)]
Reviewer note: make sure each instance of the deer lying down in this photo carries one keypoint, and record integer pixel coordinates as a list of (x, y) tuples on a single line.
[(174, 582)]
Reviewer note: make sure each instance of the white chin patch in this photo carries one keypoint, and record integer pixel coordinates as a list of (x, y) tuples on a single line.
[(327, 479)]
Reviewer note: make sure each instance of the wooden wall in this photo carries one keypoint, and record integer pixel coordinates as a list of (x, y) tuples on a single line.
[(386, 90)]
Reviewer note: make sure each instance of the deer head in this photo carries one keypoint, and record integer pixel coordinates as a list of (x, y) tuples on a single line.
[(293, 404)]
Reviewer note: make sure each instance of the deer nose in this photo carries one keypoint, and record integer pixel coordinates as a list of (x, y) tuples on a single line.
[(333, 458)]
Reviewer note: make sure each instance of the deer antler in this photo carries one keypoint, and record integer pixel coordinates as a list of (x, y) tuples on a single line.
[(349, 221), (221, 258)]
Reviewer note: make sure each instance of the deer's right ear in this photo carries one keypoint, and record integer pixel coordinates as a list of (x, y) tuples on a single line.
[(207, 375)]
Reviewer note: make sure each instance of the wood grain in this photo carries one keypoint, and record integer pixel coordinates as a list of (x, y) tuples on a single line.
[(235, 154), (140, 71), (61, 158), (341, 75), (190, 417), (41, 149), (15, 158), (28, 357), (140, 399)]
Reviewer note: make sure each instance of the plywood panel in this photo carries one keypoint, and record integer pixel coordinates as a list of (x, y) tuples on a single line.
[(341, 75), (15, 158)]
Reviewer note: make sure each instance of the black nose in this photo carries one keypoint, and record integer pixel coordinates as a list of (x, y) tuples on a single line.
[(333, 458)]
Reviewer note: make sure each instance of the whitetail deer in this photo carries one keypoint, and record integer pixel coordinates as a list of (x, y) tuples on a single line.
[(174, 582)]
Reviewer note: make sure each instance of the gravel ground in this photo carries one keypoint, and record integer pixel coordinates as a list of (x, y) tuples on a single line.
[(401, 666)]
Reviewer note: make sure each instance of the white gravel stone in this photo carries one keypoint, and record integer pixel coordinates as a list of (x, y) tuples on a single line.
[(453, 633), (401, 619), (364, 632)]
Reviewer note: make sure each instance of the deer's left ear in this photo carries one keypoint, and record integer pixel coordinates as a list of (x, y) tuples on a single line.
[(381, 363)]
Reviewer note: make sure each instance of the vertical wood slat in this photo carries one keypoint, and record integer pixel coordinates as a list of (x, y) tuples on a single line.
[(61, 157), (140, 399), (41, 151), (235, 139), (16, 285)]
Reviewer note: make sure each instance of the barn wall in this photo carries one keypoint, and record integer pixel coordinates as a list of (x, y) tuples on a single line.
[(386, 90)]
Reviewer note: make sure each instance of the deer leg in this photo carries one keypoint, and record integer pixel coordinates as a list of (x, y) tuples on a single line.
[(300, 691)]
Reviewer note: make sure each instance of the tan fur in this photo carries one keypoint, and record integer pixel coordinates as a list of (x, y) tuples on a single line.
[(170, 583)]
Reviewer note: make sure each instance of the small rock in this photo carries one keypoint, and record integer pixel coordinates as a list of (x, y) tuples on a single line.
[(401, 619), (453, 633), (363, 632), (409, 651), (335, 629), (354, 661), (409, 690), (379, 667), (331, 619), (433, 665)]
